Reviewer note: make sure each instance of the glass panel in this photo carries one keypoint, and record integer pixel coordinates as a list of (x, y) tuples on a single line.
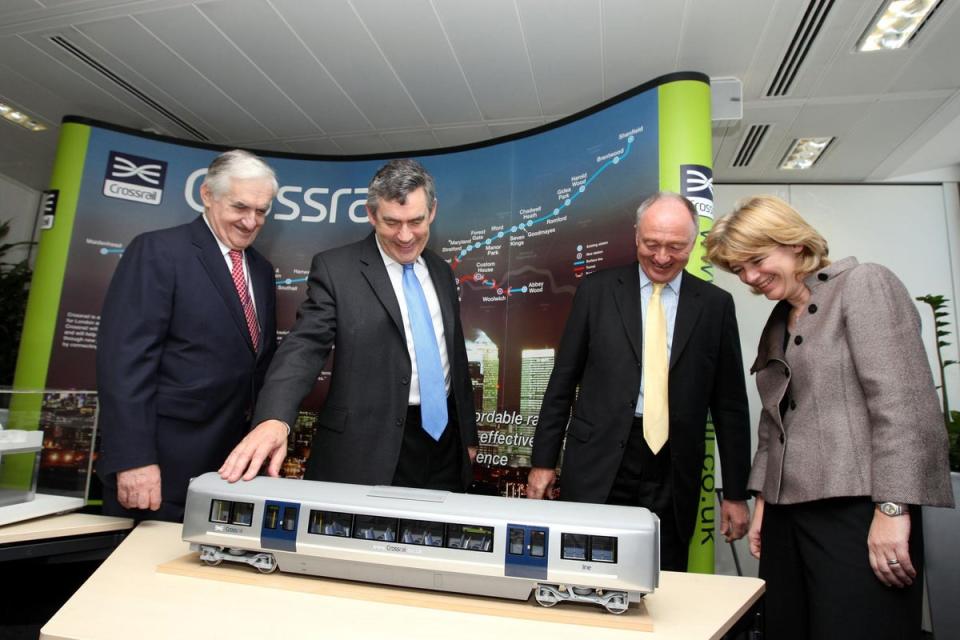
[(330, 523), (465, 536), (271, 516), (603, 549), (242, 513), (538, 543), (220, 511), (573, 546), (289, 518), (421, 532), (516, 541), (376, 528)]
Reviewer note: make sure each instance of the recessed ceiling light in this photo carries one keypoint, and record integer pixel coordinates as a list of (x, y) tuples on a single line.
[(895, 24), (804, 152), (16, 116)]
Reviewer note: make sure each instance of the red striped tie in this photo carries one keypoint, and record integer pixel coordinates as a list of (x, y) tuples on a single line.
[(241, 284)]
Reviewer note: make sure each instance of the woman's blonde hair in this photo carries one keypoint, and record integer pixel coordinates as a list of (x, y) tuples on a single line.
[(757, 226)]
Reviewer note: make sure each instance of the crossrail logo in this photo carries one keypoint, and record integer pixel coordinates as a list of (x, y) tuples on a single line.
[(134, 178), (696, 184)]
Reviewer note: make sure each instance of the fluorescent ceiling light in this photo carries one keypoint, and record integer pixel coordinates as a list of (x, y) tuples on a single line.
[(804, 152), (16, 116), (895, 24)]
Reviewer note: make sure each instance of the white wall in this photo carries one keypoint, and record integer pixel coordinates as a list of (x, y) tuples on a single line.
[(19, 205), (912, 229)]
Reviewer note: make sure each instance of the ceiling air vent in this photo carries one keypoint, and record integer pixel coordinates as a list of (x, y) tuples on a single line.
[(91, 62), (749, 145), (807, 31)]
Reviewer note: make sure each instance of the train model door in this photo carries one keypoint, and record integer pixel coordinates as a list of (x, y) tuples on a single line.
[(526, 555)]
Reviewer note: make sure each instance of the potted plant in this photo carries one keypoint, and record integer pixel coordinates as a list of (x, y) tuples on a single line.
[(940, 526)]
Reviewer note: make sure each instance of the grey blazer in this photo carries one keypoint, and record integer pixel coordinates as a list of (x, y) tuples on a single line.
[(861, 416)]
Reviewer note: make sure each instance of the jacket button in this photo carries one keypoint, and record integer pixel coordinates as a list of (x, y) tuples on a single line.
[(822, 277), (812, 308), (404, 380), (781, 438), (793, 405), (798, 340), (399, 422), (621, 444)]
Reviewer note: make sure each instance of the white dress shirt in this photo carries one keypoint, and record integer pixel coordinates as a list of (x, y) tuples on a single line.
[(395, 271)]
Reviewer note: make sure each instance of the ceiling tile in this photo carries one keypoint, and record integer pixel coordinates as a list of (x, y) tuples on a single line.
[(342, 44), (640, 41), (488, 42), (563, 38), (256, 29), (187, 32)]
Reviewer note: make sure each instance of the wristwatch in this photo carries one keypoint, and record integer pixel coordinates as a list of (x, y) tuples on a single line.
[(892, 508)]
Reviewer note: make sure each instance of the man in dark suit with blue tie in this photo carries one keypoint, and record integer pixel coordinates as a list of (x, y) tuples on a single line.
[(187, 331), (400, 406)]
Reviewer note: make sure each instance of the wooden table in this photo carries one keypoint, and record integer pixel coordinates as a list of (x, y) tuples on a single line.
[(128, 597), (62, 535)]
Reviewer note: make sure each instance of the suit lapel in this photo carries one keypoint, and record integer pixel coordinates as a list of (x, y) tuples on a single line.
[(441, 284), (208, 252), (627, 298), (689, 308), (375, 272)]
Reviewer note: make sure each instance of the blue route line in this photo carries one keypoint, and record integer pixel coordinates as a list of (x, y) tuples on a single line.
[(107, 250), (281, 281), (556, 212)]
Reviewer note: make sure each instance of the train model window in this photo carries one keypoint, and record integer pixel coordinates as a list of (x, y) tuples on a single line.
[(331, 523), (421, 532), (271, 516), (242, 513), (516, 541), (375, 528), (573, 546), (289, 518), (603, 549), (220, 511), (473, 538), (538, 543)]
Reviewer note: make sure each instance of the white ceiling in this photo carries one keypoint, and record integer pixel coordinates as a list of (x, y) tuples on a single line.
[(369, 76)]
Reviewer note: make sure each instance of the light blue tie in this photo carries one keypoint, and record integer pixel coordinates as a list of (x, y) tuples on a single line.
[(433, 395)]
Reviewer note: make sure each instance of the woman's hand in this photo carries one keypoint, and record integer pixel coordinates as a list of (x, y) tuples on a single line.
[(753, 535), (889, 551)]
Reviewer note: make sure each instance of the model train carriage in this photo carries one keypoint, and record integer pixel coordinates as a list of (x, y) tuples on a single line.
[(428, 539)]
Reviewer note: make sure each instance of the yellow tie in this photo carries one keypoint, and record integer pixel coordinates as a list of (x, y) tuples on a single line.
[(656, 412)]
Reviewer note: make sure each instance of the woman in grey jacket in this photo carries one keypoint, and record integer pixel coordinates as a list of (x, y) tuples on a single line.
[(851, 438)]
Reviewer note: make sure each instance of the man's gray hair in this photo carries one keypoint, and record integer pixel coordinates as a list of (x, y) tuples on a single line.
[(396, 180), (670, 195), (236, 164)]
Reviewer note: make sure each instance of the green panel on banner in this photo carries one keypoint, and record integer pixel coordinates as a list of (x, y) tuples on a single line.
[(686, 167), (40, 321)]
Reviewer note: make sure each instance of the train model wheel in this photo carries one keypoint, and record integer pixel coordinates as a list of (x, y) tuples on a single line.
[(265, 563), (616, 604), (546, 597), (211, 562)]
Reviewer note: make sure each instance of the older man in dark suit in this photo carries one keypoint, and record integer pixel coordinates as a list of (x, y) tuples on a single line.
[(636, 434), (187, 331), (400, 406)]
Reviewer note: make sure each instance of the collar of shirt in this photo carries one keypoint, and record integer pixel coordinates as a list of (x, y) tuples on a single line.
[(225, 251), (674, 284)]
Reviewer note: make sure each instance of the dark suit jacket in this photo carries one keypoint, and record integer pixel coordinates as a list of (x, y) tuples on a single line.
[(351, 306), (177, 374), (601, 352)]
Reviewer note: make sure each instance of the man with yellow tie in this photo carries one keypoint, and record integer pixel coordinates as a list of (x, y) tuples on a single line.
[(636, 433)]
